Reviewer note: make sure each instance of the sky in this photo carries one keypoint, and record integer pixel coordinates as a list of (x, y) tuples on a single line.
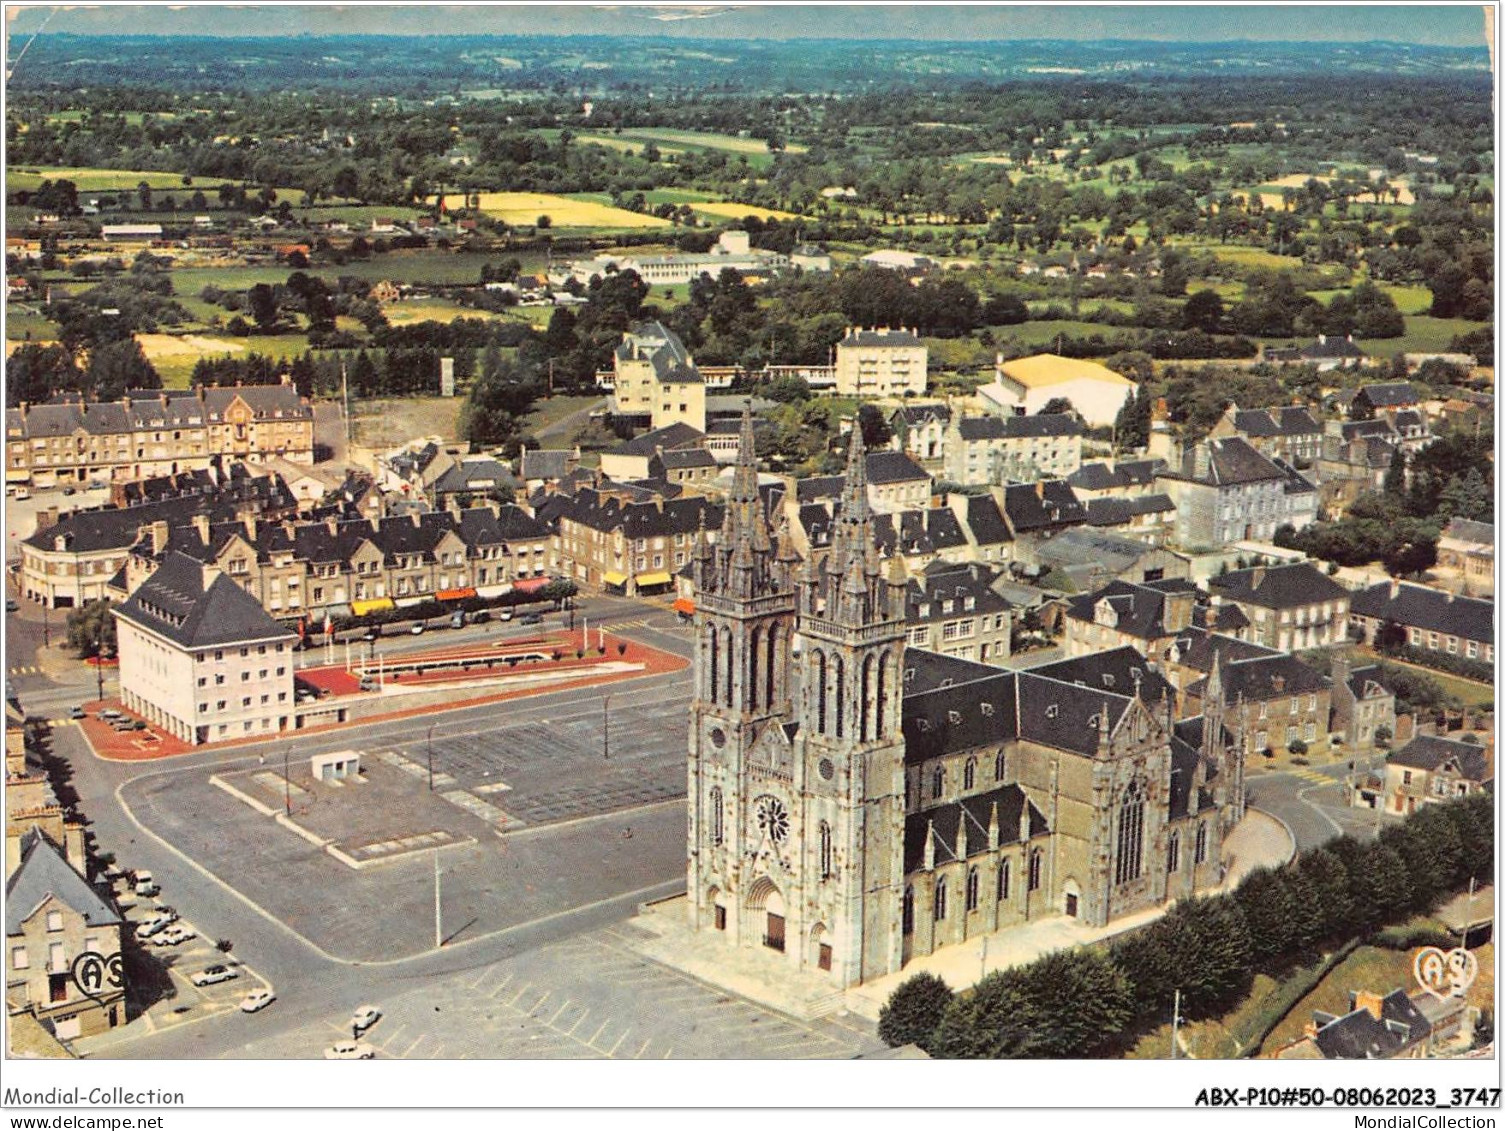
[(1460, 25)]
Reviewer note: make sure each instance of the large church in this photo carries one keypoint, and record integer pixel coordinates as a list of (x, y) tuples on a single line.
[(854, 803)]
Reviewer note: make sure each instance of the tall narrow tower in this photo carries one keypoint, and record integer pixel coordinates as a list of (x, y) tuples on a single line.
[(744, 621), (850, 759)]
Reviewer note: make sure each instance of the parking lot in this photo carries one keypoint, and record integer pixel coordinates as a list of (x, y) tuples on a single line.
[(589, 997)]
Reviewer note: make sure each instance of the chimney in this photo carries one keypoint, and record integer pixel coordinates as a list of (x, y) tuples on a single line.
[(201, 524), (1201, 460), (1178, 608), (1040, 489), (1367, 999), (47, 517), (1394, 589), (332, 525), (1278, 682), (1257, 578), (163, 399), (251, 528), (159, 537), (211, 575)]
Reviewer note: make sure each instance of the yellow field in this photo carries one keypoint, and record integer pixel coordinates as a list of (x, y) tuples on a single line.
[(735, 211), (92, 180), (524, 208), (431, 310), (624, 144), (158, 347)]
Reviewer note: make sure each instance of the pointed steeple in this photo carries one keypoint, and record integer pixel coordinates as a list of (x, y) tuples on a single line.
[(745, 477), (853, 535), (1102, 729)]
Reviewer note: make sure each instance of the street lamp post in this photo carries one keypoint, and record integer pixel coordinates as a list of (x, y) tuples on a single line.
[(430, 741), (99, 656), (287, 785), (46, 626), (606, 727)]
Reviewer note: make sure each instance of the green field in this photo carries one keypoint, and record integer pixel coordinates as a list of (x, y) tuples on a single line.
[(1424, 334), (94, 180), (1409, 300)]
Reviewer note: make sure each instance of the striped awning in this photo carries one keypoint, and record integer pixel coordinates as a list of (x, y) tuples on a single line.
[(530, 584), (489, 591)]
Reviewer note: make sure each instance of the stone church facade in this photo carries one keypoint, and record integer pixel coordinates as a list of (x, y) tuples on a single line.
[(853, 803)]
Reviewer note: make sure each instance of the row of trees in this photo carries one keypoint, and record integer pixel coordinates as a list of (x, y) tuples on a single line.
[(1098, 1002)]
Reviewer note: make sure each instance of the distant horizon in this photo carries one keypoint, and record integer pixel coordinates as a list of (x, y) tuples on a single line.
[(1459, 26)]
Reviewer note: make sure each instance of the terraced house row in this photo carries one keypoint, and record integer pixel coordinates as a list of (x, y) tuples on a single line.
[(154, 432)]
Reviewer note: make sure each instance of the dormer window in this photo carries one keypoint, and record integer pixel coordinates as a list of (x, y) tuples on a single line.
[(1052, 711), (987, 710), (954, 717)]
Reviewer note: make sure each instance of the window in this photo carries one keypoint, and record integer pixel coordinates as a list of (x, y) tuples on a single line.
[(1003, 881), (908, 919), (827, 856), (1311, 701), (54, 920), (19, 959), (972, 880), (940, 899), (1292, 732), (1173, 854), (937, 781), (969, 774), (1311, 732), (57, 988), (716, 816), (1130, 836), (57, 961), (1201, 844), (1295, 703), (1000, 765), (1035, 859)]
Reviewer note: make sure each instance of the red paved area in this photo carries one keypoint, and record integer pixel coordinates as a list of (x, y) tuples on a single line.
[(140, 746)]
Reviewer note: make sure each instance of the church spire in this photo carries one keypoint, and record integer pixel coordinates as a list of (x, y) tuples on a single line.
[(853, 537)]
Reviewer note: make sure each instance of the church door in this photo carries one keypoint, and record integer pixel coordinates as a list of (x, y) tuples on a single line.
[(775, 936), (1071, 905)]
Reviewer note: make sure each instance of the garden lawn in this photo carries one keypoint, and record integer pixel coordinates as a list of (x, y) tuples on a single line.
[(1424, 334)]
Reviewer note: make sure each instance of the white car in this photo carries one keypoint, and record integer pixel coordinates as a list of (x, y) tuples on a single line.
[(364, 1017), (175, 935), (149, 927), (257, 1000), (214, 975), (349, 1050)]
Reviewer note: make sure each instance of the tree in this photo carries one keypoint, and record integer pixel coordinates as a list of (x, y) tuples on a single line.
[(876, 432), (914, 1011), (1395, 475), (1412, 557), (34, 372), (91, 630), (262, 302), (115, 367), (544, 222), (1331, 902), (559, 590), (144, 195), (1057, 405), (1203, 311)]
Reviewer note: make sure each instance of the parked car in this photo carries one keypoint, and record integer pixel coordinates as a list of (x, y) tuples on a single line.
[(369, 684), (417, 629), (12, 605), (110, 713), (149, 927), (481, 617), (69, 491), (370, 634), (457, 620), (531, 618), (349, 1050), (23, 492), (145, 884), (364, 1017), (213, 975), (175, 936), (98, 484), (508, 614), (257, 1000), (77, 713)]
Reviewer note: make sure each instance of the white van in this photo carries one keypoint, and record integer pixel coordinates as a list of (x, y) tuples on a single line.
[(145, 885)]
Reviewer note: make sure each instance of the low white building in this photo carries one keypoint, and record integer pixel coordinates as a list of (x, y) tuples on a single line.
[(200, 658), (1028, 384)]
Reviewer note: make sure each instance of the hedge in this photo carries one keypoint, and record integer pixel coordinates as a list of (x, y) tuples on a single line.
[(1476, 670)]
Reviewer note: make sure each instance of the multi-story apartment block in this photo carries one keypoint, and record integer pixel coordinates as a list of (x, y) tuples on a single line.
[(952, 609), (200, 658), (148, 433), (653, 376), (881, 363), (1225, 491), (1290, 607), (1001, 449)]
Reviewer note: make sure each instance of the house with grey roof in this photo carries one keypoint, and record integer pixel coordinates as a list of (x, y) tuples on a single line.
[(1426, 618), (1001, 449), (1431, 769), (1467, 548), (200, 658), (952, 608), (654, 378), (52, 917), (1226, 492), (920, 430), (1084, 558), (1329, 351), (1287, 432), (1290, 607), (1376, 1027)]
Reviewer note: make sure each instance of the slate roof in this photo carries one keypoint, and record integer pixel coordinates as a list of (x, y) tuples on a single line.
[(927, 531), (173, 602), (1082, 546), (916, 414), (1359, 1035), (605, 512), (1431, 610), (1429, 752), (927, 595), (1283, 420), (1354, 429), (1019, 427), (1196, 646), (879, 337), (1140, 607), (1122, 474), (1265, 677), (1279, 587), (1042, 505), (1467, 530), (546, 463), (1119, 670), (44, 872), (893, 467), (143, 409), (690, 457), (1391, 394), (464, 476), (1234, 460), (677, 435), (985, 521), (977, 812), (1118, 511)]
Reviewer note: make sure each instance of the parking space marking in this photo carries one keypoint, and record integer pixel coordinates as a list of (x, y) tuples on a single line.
[(559, 1013), (618, 1045), (591, 1040)]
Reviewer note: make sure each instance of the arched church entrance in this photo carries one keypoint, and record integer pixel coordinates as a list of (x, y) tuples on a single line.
[(818, 954), (1072, 896), (715, 909), (765, 903)]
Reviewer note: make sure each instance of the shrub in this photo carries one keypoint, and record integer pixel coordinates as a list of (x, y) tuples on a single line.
[(1297, 746), (914, 1011)]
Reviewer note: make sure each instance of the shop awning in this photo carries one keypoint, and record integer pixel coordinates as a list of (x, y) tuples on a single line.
[(489, 591), (409, 602), (530, 584), (335, 612), (684, 605), (380, 604), (455, 594), (612, 577), (657, 578)]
